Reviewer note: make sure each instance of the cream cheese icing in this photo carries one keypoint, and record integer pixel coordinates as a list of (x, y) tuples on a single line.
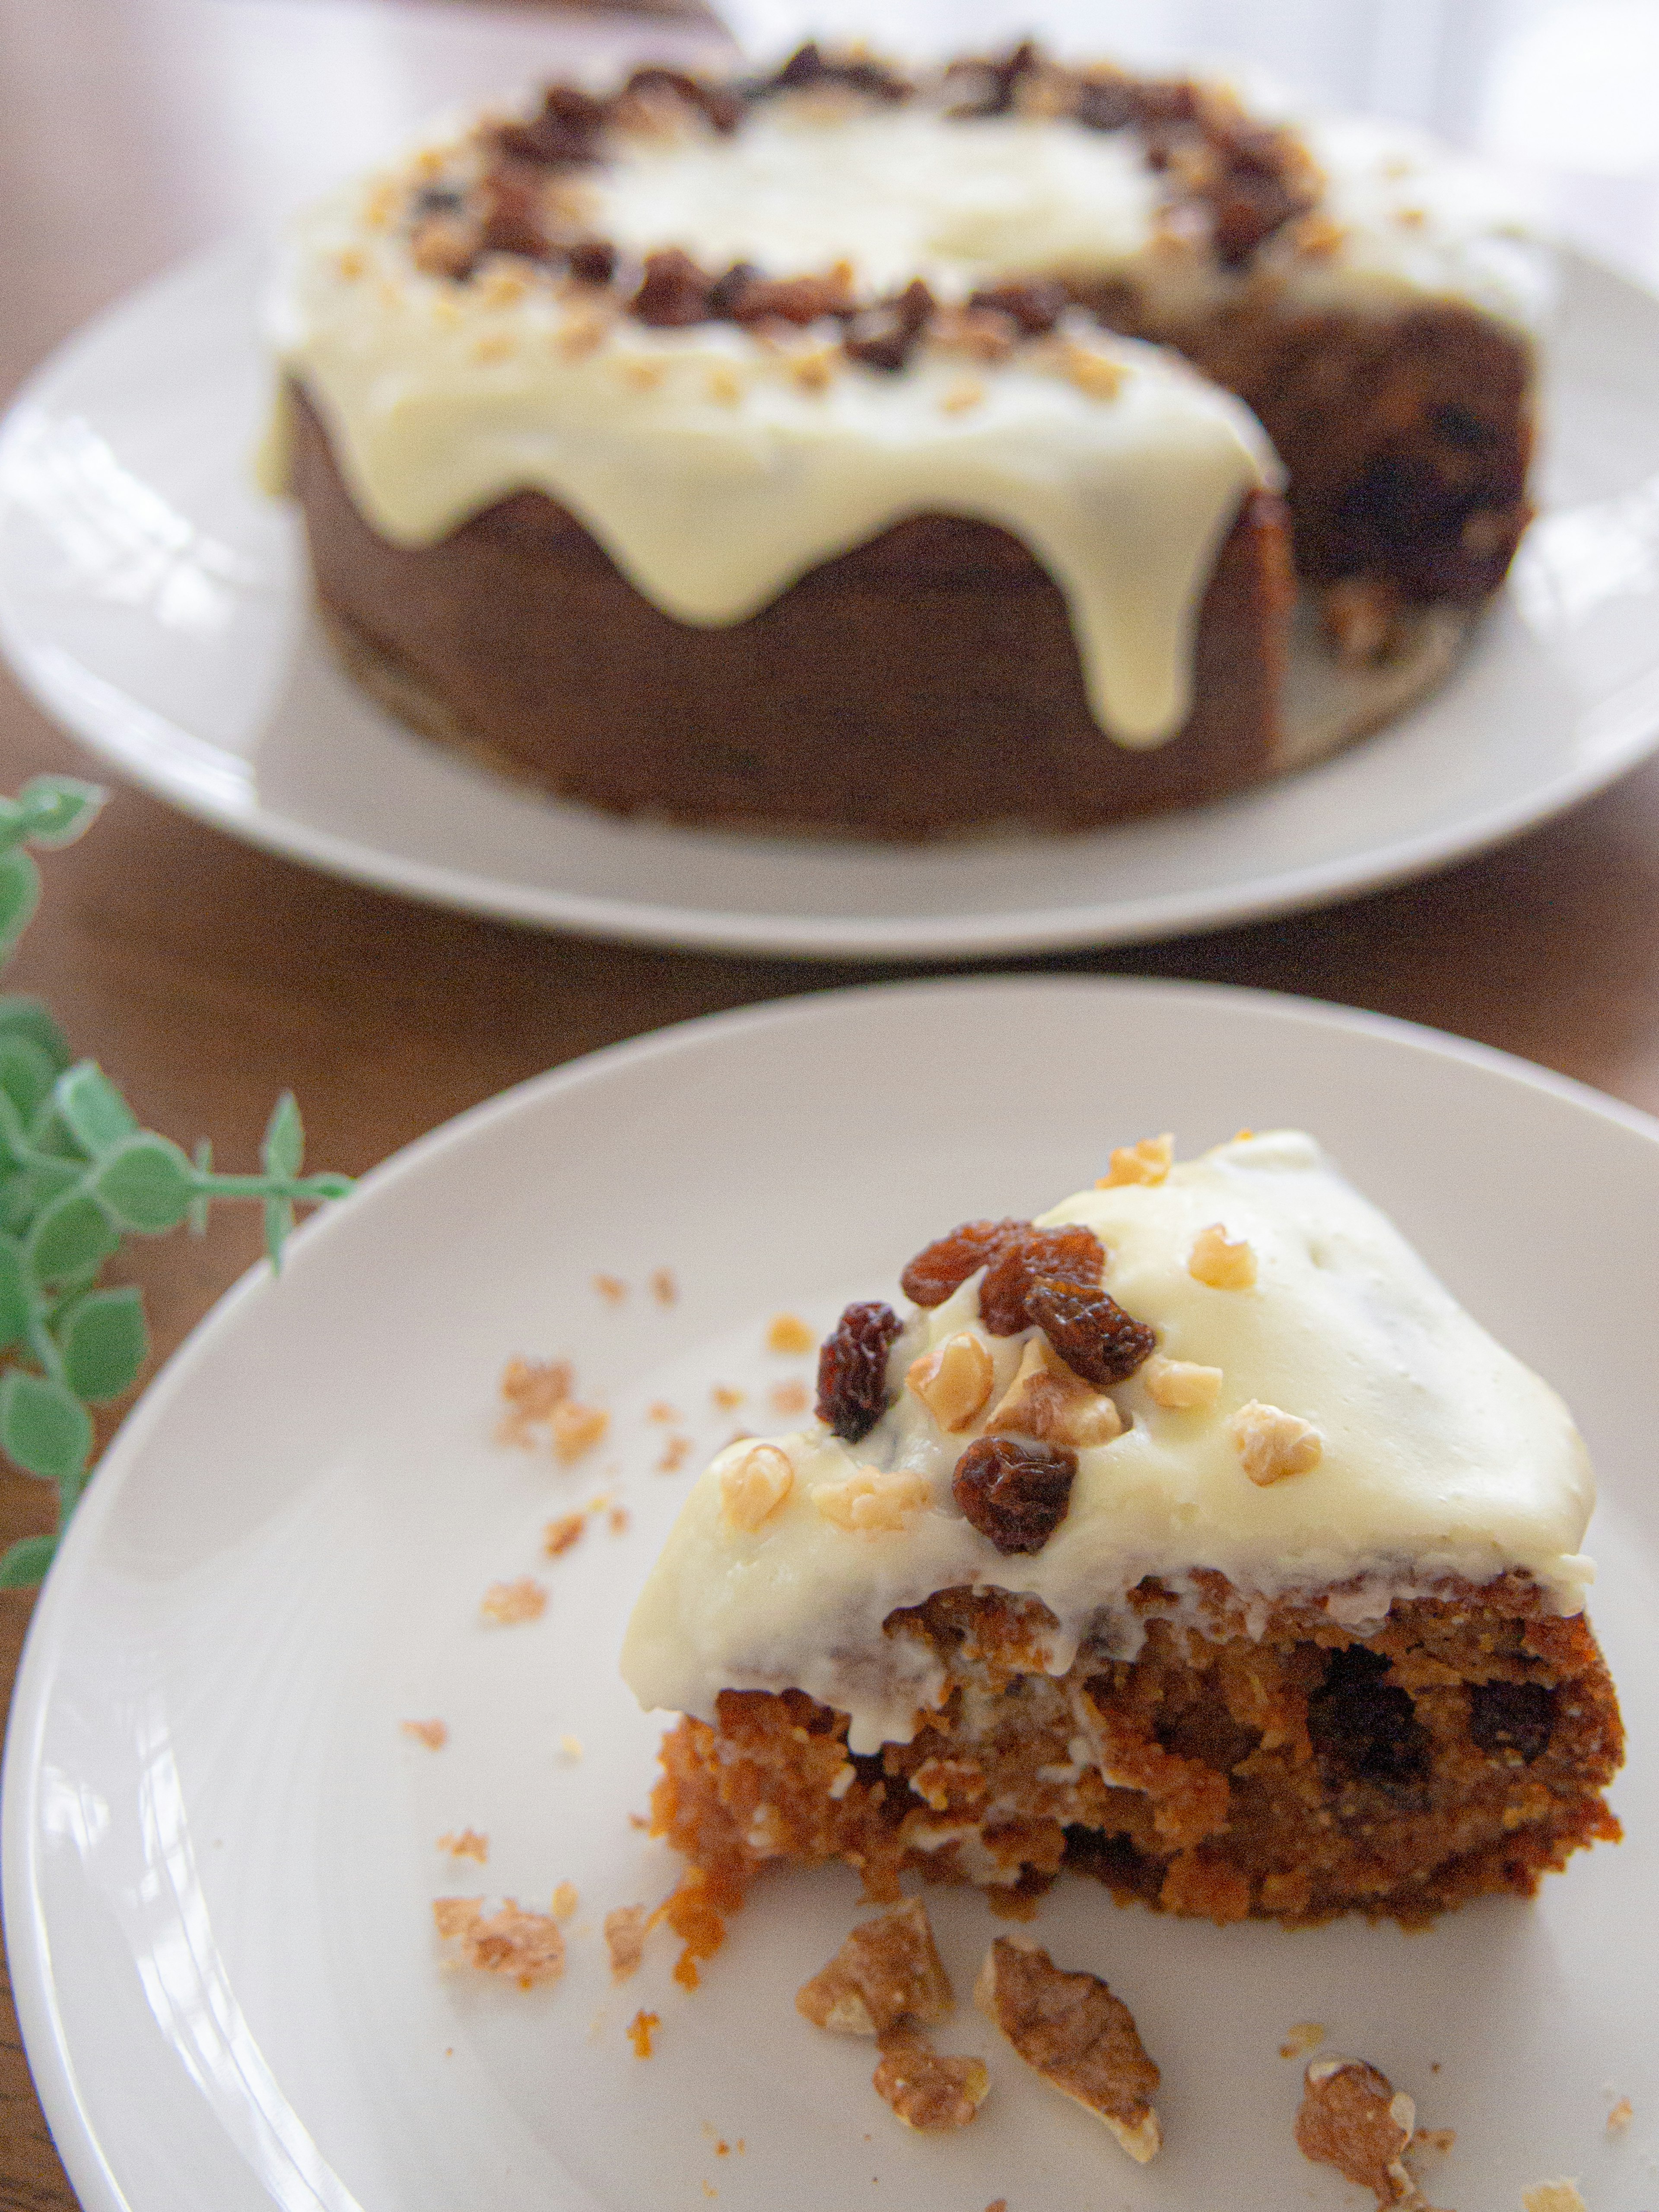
[(1439, 1455), (717, 470)]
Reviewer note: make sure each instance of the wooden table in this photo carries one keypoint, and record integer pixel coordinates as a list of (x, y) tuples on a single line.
[(205, 978)]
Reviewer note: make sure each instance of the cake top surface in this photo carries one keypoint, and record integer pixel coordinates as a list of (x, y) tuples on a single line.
[(1307, 1411), (737, 331)]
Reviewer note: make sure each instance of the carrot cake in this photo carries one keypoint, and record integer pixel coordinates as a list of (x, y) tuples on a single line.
[(1191, 1536), (903, 455)]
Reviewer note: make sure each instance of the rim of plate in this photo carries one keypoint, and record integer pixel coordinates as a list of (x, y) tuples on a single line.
[(27, 1941), (47, 674)]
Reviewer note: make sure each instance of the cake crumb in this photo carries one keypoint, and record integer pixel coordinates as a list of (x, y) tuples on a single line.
[(469, 1844), (665, 1286), (506, 1603), (789, 1399), (1149, 1161), (435, 1735), (576, 1429), (997, 2204), (1352, 2118), (1303, 2035), (640, 2030), (565, 1900), (610, 1288), (1217, 1259), (1069, 2028), (526, 1944), (532, 1389), (1620, 2117), (1440, 2139), (1273, 1444), (571, 1745), (926, 2090), (617, 1521), (674, 1455), (559, 1535), (726, 1398), (696, 1920), (1553, 2197), (624, 1939), (787, 1331), (888, 1970), (660, 1410)]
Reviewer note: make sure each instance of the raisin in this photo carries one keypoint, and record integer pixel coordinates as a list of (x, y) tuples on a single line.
[(1105, 103), (1035, 303), (744, 296), (852, 1369), (1074, 1256), (673, 292), (1365, 1728), (807, 67), (946, 1265), (882, 336), (1517, 1717), (723, 108), (1090, 1331), (592, 260), (566, 134), (1016, 1494)]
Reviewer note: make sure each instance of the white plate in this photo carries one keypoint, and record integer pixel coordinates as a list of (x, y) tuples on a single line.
[(219, 1847), (158, 607)]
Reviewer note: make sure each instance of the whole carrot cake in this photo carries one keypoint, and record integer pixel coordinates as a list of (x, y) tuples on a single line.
[(903, 454), (1191, 1536)]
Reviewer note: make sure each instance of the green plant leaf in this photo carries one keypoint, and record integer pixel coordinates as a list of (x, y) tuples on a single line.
[(44, 1427), (26, 1075), (25, 1564), (58, 809), (279, 1227), (71, 1233), (104, 1343), (17, 1292), (285, 1146), (23, 1015), (20, 894), (92, 1110), (146, 1184)]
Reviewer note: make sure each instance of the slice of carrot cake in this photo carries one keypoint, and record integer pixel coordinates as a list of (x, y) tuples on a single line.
[(1192, 1534)]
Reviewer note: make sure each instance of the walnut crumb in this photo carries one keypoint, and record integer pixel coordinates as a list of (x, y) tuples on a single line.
[(1440, 2139), (815, 371), (1620, 2117), (1352, 2118), (961, 397), (789, 1399), (789, 1332), (469, 1844), (506, 1603), (953, 1379), (526, 1944), (1047, 1400), (624, 1939), (1306, 2035), (1553, 2197), (674, 1455), (1091, 372), (610, 1288), (576, 1429), (565, 1900), (1070, 2028), (559, 1535), (887, 1970), (1273, 1444), (435, 1735), (927, 2090), (1217, 1259), (1149, 1161), (583, 331), (643, 375), (639, 2029), (533, 1389), (1182, 1385), (872, 1500), (753, 1486)]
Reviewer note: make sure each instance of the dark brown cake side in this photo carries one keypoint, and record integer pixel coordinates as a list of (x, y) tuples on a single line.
[(924, 685)]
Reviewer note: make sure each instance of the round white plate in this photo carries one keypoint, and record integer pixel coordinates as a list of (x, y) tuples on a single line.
[(220, 1846), (157, 605)]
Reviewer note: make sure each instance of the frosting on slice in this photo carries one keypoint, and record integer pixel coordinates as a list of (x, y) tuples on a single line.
[(1366, 1439)]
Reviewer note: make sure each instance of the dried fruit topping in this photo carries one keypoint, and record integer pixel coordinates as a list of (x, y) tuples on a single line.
[(947, 1262), (1036, 305), (673, 293), (723, 108), (852, 1369), (565, 134), (511, 208), (882, 336), (1073, 1256), (744, 295), (808, 66), (592, 260), (1016, 1494), (1090, 1331), (998, 80)]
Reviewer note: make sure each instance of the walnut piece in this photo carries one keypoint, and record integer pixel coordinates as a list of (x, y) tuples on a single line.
[(927, 2090), (576, 1429), (754, 1486), (1272, 1444), (872, 1500), (1352, 2118), (1181, 1384), (1046, 1400), (506, 1603), (526, 1944), (887, 1970), (1149, 1161), (624, 1939), (1553, 2197), (1073, 2032), (1219, 1262), (953, 1379)]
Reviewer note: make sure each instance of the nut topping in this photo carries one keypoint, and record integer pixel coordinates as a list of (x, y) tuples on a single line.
[(1073, 2032), (872, 1500), (887, 1970), (1046, 1400), (1181, 1384), (925, 2090), (1272, 1443), (753, 1486), (1224, 1264), (1352, 2118), (953, 1379), (1149, 1161)]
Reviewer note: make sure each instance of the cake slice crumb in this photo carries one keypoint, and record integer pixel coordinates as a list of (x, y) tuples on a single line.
[(888, 1970), (576, 1429), (565, 1900), (507, 1603), (526, 1944), (559, 1535), (624, 1939), (532, 1389), (927, 2089), (1620, 2117), (665, 1286), (789, 1399), (1069, 2028), (468, 1845), (610, 1288), (639, 2031), (435, 1735)]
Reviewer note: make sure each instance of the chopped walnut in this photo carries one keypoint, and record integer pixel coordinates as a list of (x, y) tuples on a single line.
[(1215, 1259), (526, 1944), (789, 1332), (1046, 1400), (576, 1429), (1181, 1384), (726, 1397), (445, 245), (1272, 1444), (872, 1500), (559, 1535), (435, 1735), (983, 333), (1070, 2028), (927, 2090), (1352, 2118), (1092, 373), (583, 331), (961, 397), (1553, 2197), (617, 1520), (815, 369), (506, 1603), (887, 1970), (1315, 237), (624, 1939), (469, 1844), (953, 1379), (1149, 1161), (754, 1486), (1306, 2035)]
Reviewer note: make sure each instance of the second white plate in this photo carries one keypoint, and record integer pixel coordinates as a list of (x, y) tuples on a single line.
[(159, 607)]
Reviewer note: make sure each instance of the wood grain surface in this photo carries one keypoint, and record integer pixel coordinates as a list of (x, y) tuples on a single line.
[(205, 976)]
